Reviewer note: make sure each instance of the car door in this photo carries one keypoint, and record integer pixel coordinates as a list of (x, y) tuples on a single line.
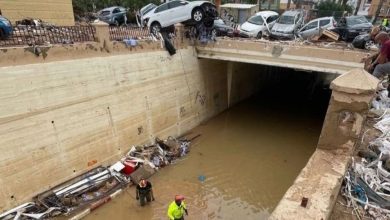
[(309, 30), (161, 14), (176, 12), (271, 20), (341, 26), (116, 13)]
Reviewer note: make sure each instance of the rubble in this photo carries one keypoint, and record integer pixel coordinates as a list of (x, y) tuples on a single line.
[(366, 185), (99, 185)]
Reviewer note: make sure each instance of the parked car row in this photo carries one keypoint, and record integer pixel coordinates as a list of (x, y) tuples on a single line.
[(291, 24)]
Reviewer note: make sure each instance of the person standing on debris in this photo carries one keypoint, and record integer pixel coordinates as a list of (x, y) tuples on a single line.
[(177, 209), (371, 58), (381, 65), (144, 192)]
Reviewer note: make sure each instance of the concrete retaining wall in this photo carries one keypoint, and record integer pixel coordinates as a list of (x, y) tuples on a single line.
[(61, 118)]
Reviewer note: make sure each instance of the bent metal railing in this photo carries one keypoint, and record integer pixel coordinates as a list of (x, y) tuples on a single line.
[(122, 33), (33, 35)]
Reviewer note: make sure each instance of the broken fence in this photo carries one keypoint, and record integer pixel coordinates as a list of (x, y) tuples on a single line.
[(122, 33), (46, 35)]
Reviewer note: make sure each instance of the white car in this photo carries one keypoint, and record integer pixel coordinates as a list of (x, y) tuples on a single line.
[(314, 27), (178, 11), (259, 25)]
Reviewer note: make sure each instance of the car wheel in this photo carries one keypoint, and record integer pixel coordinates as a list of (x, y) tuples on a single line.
[(116, 23), (197, 15), (368, 44), (2, 34), (259, 35), (155, 29)]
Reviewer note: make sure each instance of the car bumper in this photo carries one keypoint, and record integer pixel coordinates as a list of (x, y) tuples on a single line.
[(107, 20), (246, 34), (279, 35)]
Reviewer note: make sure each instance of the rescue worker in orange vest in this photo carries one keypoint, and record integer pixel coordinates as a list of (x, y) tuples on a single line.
[(177, 208)]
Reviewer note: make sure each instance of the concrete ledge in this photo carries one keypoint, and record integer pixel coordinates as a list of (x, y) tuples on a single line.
[(330, 60), (320, 182)]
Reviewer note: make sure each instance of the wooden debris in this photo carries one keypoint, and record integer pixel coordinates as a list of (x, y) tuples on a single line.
[(331, 34)]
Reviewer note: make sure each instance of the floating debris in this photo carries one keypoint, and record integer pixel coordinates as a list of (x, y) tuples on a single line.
[(99, 185)]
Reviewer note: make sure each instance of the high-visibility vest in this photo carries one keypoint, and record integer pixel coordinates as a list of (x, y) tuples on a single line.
[(385, 22), (175, 211)]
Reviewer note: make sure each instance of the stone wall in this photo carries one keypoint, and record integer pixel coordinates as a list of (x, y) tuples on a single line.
[(59, 12)]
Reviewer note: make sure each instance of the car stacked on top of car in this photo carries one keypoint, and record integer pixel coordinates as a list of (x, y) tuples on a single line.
[(179, 11)]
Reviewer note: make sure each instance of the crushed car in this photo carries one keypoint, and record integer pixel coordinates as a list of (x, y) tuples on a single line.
[(288, 24), (115, 15), (5, 28), (222, 29), (258, 25), (315, 27), (350, 27), (178, 11)]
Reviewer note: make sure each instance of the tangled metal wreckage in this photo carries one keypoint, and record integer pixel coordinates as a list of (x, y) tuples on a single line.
[(99, 185), (366, 185)]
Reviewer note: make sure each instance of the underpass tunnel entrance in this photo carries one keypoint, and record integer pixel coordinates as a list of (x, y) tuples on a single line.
[(247, 157)]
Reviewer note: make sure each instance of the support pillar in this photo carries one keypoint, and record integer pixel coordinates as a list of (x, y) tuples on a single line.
[(352, 94), (103, 36), (230, 70)]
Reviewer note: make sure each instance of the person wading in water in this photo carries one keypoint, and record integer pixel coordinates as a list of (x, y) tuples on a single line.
[(144, 192), (177, 209)]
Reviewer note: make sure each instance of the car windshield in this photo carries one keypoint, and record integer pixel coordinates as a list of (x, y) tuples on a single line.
[(256, 20), (286, 19), (104, 13), (356, 20), (148, 8)]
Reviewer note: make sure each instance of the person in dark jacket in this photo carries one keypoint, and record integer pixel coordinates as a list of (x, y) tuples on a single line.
[(144, 192)]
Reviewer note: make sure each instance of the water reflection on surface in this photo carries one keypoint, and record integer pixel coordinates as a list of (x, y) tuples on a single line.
[(249, 156)]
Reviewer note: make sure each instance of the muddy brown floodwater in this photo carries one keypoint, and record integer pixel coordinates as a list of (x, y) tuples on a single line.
[(249, 156)]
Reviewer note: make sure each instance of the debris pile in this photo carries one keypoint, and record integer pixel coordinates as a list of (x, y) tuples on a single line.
[(99, 185), (367, 183)]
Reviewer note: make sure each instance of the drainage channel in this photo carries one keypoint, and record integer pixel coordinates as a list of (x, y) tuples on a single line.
[(244, 161)]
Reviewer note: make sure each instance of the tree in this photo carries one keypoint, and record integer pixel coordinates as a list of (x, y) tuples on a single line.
[(330, 8), (288, 4), (378, 11), (357, 7)]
